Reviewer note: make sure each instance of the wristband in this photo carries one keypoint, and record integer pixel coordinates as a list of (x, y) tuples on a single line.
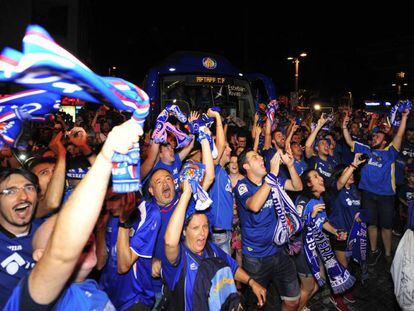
[(248, 281), (355, 167), (89, 154), (125, 225)]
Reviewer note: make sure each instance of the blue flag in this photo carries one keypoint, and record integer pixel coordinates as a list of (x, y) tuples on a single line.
[(47, 66)]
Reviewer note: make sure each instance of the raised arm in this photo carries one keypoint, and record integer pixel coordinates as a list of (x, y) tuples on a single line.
[(311, 139), (77, 219), (289, 137), (149, 162), (79, 138), (54, 193), (255, 120), (124, 254), (220, 137), (257, 200), (400, 134), (294, 183), (268, 135), (209, 163), (257, 130), (101, 250), (347, 173), (186, 150), (345, 131), (175, 225)]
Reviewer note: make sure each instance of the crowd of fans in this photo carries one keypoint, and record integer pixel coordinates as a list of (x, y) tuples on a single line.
[(69, 242)]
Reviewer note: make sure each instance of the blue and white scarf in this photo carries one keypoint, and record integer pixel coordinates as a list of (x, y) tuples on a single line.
[(357, 246), (397, 110), (288, 220), (47, 66), (316, 243), (194, 173), (34, 105)]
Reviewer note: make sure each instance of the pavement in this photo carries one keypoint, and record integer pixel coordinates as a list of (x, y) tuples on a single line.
[(377, 294)]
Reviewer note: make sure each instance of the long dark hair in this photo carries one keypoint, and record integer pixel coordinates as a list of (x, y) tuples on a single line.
[(305, 177)]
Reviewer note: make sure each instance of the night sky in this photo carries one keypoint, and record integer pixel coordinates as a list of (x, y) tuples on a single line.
[(348, 49)]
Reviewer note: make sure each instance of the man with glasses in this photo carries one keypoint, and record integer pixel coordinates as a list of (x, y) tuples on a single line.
[(18, 199)]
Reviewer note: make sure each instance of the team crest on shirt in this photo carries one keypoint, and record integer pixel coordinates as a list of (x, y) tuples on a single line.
[(154, 226), (242, 189)]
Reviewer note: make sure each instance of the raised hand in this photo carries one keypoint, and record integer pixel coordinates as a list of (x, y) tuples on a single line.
[(78, 137), (57, 146), (345, 121), (121, 139), (275, 163), (213, 114), (357, 161), (287, 158), (317, 208), (194, 115)]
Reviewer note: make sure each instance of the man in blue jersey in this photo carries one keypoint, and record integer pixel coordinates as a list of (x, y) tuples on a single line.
[(128, 286), (263, 260), (18, 199), (321, 161), (64, 255), (378, 184)]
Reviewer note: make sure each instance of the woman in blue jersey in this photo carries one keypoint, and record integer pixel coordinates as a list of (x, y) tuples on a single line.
[(184, 255), (311, 204), (345, 204)]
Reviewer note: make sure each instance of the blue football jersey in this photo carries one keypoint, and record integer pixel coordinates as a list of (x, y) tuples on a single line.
[(378, 174), (78, 296), (135, 286), (15, 260), (221, 210), (257, 228)]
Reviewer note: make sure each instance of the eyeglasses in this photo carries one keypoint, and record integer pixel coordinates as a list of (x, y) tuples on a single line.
[(12, 191)]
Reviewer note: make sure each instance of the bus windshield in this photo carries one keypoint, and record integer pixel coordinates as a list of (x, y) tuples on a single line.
[(200, 92)]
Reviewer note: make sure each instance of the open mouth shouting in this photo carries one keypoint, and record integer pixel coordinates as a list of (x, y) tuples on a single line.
[(23, 210)]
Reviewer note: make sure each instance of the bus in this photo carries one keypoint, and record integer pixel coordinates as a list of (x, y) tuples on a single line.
[(198, 81)]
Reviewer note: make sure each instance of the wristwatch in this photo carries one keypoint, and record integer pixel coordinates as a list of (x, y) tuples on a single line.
[(125, 225)]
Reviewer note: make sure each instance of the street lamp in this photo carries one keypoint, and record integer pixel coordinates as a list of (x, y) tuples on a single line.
[(111, 70), (296, 61)]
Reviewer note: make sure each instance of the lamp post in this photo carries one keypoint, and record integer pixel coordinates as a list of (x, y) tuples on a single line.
[(296, 61), (111, 70)]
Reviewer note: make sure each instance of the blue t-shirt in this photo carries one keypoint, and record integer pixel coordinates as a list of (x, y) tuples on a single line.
[(78, 296), (324, 168), (304, 207), (172, 273), (221, 210), (344, 204), (165, 212), (257, 229), (300, 166), (174, 169), (378, 174), (134, 286), (16, 259)]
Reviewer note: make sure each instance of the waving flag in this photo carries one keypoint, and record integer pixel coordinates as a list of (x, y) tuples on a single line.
[(47, 66), (32, 105)]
